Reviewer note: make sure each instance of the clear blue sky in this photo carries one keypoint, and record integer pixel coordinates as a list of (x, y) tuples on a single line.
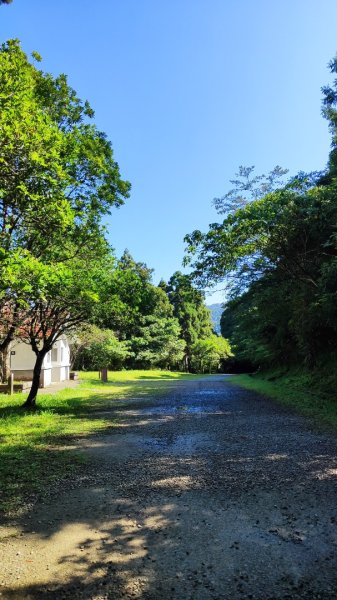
[(188, 90)]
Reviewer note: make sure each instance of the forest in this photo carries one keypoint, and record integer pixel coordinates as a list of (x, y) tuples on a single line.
[(156, 443), (276, 250), (59, 275)]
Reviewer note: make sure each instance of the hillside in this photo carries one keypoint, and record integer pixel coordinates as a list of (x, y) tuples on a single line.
[(216, 312)]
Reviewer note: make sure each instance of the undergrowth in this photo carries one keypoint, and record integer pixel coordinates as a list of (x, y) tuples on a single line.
[(310, 393)]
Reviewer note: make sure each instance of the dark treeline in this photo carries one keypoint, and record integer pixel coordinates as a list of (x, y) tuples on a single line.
[(277, 250)]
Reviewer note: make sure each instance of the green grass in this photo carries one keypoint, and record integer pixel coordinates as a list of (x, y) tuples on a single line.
[(133, 376), (33, 445), (312, 394)]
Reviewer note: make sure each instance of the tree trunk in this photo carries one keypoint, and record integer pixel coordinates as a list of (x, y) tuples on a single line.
[(4, 349), (31, 400), (5, 366)]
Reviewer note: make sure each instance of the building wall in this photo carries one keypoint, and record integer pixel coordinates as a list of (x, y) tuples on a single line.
[(60, 357), (24, 357), (22, 374), (27, 375), (60, 374), (46, 377), (55, 367)]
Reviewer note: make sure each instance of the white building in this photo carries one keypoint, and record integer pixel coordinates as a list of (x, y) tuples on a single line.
[(55, 367)]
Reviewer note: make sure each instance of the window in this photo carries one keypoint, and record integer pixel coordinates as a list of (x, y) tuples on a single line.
[(54, 355)]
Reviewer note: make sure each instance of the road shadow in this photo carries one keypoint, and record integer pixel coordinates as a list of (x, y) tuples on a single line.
[(208, 491)]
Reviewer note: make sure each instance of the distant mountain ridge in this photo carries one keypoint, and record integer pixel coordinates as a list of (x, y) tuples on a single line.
[(216, 312)]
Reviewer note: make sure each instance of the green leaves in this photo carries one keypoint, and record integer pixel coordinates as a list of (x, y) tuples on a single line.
[(208, 353), (58, 178), (58, 174), (100, 348)]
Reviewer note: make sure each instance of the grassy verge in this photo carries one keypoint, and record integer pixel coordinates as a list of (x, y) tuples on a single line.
[(139, 376), (33, 446), (310, 394)]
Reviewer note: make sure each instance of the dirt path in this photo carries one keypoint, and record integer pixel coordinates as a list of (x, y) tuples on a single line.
[(210, 492)]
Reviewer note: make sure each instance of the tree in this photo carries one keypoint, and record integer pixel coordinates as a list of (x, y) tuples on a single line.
[(99, 348), (277, 230), (58, 177), (276, 249), (274, 253), (248, 187), (6, 1), (66, 296), (141, 315), (208, 354), (132, 295), (157, 342), (190, 310), (329, 111)]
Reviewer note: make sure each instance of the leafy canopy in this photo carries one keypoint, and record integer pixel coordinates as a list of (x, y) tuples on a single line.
[(58, 177)]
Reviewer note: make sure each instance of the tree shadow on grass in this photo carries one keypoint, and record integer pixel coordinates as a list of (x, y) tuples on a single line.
[(33, 453)]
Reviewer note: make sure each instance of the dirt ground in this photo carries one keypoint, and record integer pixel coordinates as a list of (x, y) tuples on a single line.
[(208, 492)]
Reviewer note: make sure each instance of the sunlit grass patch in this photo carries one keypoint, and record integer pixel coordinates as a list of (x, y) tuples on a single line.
[(151, 374)]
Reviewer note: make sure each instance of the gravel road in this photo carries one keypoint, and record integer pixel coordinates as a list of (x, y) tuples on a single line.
[(206, 492)]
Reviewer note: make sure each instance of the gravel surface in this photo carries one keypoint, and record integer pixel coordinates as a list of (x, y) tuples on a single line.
[(207, 492)]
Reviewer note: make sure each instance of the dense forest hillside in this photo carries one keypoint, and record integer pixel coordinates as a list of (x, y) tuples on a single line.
[(276, 249)]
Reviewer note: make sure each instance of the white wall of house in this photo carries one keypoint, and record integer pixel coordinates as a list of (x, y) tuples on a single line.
[(55, 367), (60, 360), (46, 377), (24, 357)]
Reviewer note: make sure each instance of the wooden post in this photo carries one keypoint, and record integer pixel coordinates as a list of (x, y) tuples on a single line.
[(104, 375), (11, 384)]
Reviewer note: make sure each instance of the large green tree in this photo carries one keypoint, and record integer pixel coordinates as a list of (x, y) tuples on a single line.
[(189, 308), (210, 354), (281, 250), (95, 348), (132, 295), (141, 315), (64, 297), (157, 342), (58, 177)]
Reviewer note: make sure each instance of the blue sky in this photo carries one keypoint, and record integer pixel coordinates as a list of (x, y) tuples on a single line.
[(188, 90)]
